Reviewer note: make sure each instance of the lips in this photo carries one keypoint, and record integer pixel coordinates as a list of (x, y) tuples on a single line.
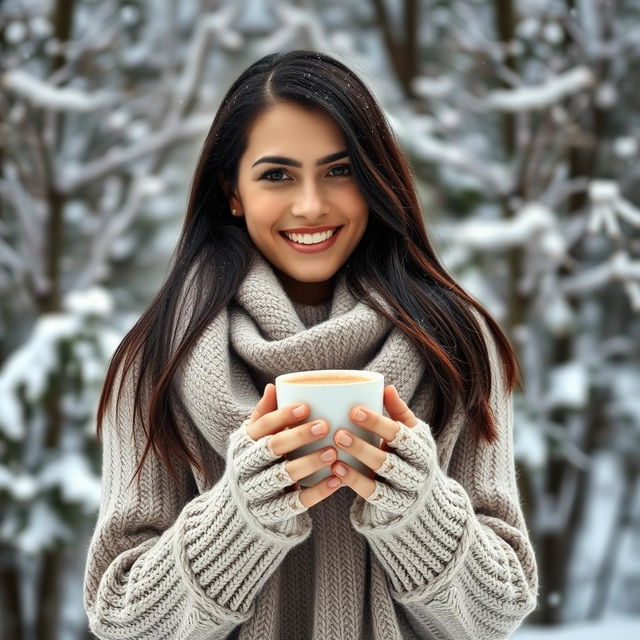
[(312, 248), (311, 229), (319, 230)]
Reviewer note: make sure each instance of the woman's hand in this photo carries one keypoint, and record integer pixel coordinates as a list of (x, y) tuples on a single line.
[(404, 468), (278, 432)]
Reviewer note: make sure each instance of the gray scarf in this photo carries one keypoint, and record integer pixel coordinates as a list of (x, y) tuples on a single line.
[(260, 336)]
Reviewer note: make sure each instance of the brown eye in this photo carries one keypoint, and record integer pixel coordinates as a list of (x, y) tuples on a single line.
[(267, 175), (342, 166)]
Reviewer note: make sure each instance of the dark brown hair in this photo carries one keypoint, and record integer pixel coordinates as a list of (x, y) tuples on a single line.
[(395, 256)]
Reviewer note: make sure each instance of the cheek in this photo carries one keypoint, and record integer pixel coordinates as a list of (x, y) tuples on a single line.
[(261, 213), (359, 214), (260, 201), (355, 203)]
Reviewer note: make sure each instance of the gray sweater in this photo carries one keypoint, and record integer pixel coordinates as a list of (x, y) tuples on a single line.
[(169, 560)]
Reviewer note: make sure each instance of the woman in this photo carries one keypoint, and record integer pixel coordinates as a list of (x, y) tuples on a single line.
[(216, 539)]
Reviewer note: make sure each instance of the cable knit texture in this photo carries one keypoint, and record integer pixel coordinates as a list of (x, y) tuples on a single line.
[(440, 550)]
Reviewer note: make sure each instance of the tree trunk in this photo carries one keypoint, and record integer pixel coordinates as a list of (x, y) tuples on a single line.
[(621, 524), (48, 597), (403, 53), (10, 605)]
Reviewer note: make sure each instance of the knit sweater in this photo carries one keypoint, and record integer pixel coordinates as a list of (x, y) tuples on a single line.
[(173, 560)]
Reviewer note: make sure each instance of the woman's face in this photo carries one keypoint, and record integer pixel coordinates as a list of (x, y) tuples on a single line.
[(292, 191)]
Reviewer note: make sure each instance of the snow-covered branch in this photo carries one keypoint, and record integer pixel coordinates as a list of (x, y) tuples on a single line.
[(415, 134), (530, 223), (40, 93), (541, 96), (71, 179), (619, 267)]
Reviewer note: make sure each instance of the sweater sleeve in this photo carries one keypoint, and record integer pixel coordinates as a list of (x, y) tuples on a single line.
[(163, 564), (460, 560)]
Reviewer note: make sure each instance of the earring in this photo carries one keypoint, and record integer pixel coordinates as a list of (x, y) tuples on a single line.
[(233, 212)]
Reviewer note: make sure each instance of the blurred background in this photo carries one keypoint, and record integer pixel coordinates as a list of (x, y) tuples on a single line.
[(521, 120)]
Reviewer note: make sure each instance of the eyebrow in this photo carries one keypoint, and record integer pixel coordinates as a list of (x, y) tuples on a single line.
[(295, 163)]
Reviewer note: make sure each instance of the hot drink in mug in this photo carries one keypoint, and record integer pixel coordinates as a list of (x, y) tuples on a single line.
[(331, 394)]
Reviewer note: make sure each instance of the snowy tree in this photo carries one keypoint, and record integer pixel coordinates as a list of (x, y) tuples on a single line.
[(527, 129), (102, 105)]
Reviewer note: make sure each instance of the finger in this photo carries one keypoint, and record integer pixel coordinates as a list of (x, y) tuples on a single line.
[(401, 475), (415, 445), (259, 483), (372, 456), (397, 408), (265, 404), (360, 483), (291, 439), (306, 465), (312, 495), (256, 455), (251, 455), (382, 426), (276, 420), (398, 473)]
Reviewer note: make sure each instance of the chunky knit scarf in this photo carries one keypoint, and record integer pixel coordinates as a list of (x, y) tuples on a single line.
[(260, 336)]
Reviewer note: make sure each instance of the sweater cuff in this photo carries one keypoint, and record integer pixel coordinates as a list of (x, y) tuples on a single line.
[(226, 554), (422, 549)]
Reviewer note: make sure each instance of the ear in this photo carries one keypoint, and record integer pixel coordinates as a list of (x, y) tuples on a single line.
[(234, 202), (225, 185)]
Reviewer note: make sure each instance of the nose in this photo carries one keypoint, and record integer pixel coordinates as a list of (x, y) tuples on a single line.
[(310, 203)]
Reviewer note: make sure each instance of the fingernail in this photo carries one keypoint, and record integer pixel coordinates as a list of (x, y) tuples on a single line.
[(327, 455), (360, 414), (344, 439), (317, 428), (340, 469), (298, 411), (334, 482)]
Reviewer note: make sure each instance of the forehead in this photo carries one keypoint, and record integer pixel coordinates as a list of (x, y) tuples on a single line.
[(290, 126)]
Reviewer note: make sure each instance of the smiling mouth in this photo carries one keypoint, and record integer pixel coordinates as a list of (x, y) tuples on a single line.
[(309, 244)]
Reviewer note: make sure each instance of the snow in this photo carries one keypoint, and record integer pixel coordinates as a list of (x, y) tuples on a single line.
[(92, 301), (22, 486), (532, 220), (44, 528), (529, 443), (541, 96), (618, 266), (416, 136), (619, 628), (70, 473), (568, 386), (15, 32), (625, 403), (625, 147), (29, 367), (42, 94), (607, 202), (556, 312), (553, 33)]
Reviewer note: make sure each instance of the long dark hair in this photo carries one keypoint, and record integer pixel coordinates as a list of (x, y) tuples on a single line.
[(394, 257)]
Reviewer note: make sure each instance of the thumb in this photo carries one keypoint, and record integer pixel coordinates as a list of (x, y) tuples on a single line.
[(266, 404), (269, 398)]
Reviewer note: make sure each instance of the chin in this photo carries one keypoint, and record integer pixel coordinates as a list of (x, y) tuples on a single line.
[(312, 278)]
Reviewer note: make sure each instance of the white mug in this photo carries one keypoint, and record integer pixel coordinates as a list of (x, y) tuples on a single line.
[(333, 403)]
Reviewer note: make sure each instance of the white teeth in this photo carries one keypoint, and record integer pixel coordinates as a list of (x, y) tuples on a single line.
[(308, 238)]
